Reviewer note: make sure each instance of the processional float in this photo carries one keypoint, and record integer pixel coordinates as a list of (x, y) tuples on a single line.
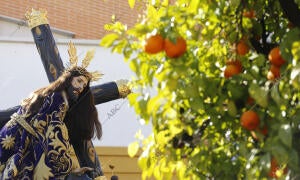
[(53, 65)]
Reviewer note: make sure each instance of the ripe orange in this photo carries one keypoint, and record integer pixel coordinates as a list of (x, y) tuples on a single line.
[(274, 167), (249, 14), (154, 44), (236, 63), (264, 130), (250, 120), (270, 76), (250, 101), (275, 57), (242, 48), (175, 50), (275, 70), (231, 70)]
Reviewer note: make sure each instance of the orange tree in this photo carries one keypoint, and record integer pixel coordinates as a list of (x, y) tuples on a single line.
[(224, 79)]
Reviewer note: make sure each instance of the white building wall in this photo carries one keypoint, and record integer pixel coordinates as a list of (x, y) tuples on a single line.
[(21, 72)]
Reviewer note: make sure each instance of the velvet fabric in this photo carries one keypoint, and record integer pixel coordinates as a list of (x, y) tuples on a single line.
[(40, 151)]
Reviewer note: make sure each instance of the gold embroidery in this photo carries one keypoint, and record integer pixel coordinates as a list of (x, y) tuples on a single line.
[(50, 133), (39, 125), (52, 70), (60, 148), (20, 119), (61, 162), (27, 142), (57, 144), (38, 31), (11, 122), (10, 168), (2, 166), (62, 111), (75, 162), (91, 151), (42, 171), (8, 142), (64, 132), (29, 167)]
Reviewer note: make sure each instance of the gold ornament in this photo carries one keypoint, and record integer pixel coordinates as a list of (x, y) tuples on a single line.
[(36, 17), (94, 76), (72, 54), (123, 87)]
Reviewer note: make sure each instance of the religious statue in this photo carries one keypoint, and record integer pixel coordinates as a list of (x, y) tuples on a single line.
[(67, 98)]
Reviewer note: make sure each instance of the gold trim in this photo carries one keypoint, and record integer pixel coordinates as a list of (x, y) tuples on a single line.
[(20, 119), (72, 54), (75, 162), (123, 88), (36, 17), (88, 58), (73, 59)]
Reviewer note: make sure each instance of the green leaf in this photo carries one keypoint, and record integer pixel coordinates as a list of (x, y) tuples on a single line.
[(285, 135), (260, 60), (138, 135), (264, 160), (237, 91), (143, 163), (294, 158), (153, 105), (138, 30), (131, 3), (163, 136), (287, 43), (134, 66), (170, 113), (295, 76), (232, 111), (174, 130), (108, 40), (194, 6), (259, 94), (118, 48), (280, 152), (197, 104), (132, 98), (276, 96), (296, 50), (235, 3), (133, 148)]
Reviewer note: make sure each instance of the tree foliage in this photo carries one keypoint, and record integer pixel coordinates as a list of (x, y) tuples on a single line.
[(196, 111)]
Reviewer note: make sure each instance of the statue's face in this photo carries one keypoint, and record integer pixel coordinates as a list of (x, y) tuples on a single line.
[(78, 83)]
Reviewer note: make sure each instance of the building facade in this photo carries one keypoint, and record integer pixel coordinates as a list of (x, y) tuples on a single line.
[(85, 18)]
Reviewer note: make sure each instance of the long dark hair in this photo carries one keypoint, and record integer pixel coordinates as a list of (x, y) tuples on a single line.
[(82, 118), (32, 104)]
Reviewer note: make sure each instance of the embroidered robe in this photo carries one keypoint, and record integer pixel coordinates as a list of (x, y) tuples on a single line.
[(37, 146)]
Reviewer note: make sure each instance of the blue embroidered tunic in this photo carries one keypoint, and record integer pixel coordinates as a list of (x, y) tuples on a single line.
[(37, 146)]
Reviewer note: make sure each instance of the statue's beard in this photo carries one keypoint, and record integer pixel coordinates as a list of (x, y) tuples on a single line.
[(72, 97)]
